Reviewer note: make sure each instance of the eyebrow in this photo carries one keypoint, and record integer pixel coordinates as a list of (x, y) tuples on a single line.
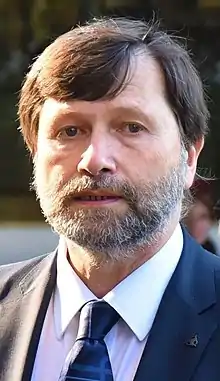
[(132, 111), (61, 114)]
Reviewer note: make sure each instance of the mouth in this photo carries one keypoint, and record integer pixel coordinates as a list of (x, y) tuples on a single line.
[(96, 198)]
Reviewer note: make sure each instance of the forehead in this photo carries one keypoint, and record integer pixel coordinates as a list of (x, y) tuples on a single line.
[(144, 90)]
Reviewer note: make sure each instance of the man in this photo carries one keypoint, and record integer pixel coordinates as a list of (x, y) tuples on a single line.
[(114, 116)]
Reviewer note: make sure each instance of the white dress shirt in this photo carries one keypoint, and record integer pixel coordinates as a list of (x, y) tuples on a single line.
[(136, 299)]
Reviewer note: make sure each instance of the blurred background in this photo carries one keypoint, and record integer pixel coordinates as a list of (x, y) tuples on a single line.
[(26, 27)]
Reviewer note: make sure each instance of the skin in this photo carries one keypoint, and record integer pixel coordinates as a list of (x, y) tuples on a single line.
[(108, 141)]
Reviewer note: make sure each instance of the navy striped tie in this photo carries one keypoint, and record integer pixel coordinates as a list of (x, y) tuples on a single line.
[(89, 355)]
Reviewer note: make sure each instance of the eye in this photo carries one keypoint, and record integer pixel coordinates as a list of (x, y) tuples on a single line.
[(133, 128), (69, 131)]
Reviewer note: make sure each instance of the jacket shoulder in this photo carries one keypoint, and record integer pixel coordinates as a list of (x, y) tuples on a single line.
[(207, 263), (202, 258), (211, 259), (13, 273), (216, 265)]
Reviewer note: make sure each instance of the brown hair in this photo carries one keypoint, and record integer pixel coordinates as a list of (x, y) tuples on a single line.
[(92, 62)]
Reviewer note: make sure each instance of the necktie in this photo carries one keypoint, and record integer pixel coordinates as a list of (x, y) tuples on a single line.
[(89, 358)]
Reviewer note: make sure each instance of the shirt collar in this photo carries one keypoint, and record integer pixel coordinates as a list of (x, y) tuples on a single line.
[(136, 298), (70, 292)]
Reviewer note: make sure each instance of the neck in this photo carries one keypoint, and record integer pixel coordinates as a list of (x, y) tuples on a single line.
[(102, 278)]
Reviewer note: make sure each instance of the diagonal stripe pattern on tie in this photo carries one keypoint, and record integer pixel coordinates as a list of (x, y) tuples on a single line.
[(89, 358)]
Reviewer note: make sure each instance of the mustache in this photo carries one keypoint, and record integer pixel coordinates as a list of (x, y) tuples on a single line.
[(69, 189), (79, 184)]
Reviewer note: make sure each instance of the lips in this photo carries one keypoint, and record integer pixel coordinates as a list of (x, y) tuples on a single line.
[(95, 198)]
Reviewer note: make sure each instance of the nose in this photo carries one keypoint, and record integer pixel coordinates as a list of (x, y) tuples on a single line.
[(96, 159)]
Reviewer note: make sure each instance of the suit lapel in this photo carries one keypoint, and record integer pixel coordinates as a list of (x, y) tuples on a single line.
[(185, 320), (24, 310)]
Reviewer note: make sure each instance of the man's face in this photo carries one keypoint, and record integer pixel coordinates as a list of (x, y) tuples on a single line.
[(110, 174)]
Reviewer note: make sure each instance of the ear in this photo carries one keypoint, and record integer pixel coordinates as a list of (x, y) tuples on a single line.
[(193, 155)]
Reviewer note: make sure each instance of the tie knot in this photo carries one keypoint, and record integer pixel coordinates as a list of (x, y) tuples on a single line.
[(96, 320)]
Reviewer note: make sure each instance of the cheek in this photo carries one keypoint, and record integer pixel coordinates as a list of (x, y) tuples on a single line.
[(152, 162), (166, 154), (55, 165)]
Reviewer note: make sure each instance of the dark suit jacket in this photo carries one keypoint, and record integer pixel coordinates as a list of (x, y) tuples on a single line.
[(184, 342)]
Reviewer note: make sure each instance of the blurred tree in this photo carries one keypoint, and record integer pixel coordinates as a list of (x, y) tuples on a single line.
[(52, 17)]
